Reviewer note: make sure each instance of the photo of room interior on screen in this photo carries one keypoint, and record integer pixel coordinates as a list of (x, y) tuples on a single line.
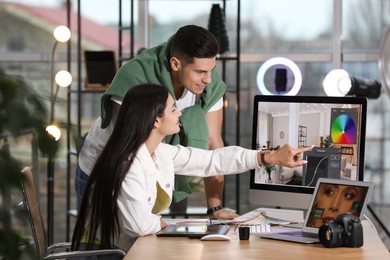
[(332, 128)]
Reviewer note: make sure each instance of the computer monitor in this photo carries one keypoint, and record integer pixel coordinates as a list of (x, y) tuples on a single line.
[(335, 125)]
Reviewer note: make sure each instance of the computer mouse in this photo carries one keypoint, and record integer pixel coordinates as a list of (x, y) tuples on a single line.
[(215, 237)]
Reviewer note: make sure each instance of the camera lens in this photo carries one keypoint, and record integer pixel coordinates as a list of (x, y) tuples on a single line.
[(331, 234)]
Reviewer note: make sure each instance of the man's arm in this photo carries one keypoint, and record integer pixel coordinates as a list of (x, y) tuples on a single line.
[(214, 185)]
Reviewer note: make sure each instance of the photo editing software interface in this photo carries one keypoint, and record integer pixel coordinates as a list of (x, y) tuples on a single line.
[(334, 125)]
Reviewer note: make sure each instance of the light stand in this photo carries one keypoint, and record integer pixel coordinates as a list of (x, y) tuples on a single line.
[(62, 79)]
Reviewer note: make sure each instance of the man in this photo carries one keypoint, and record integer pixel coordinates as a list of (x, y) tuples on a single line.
[(186, 66)]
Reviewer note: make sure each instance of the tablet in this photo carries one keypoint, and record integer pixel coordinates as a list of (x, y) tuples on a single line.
[(193, 231)]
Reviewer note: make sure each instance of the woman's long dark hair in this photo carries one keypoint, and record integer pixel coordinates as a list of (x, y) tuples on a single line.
[(99, 210)]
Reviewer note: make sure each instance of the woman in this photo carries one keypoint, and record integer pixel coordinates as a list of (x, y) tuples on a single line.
[(334, 200), (133, 179)]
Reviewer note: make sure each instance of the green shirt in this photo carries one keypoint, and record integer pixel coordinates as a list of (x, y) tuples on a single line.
[(152, 66)]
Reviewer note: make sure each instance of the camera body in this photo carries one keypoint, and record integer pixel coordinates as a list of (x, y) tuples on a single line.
[(346, 230)]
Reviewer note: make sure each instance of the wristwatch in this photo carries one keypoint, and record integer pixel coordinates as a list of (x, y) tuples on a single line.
[(210, 211), (262, 159)]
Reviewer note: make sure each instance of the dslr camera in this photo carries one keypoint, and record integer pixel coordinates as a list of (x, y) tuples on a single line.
[(345, 231)]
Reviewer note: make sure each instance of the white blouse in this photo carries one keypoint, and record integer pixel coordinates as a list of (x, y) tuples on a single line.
[(139, 190), (98, 137)]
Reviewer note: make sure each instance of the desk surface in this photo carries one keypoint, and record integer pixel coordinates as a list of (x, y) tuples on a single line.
[(152, 247)]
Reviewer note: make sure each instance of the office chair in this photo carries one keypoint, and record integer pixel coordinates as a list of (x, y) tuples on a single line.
[(57, 250)]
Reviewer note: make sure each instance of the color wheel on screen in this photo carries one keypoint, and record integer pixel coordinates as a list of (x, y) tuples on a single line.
[(343, 130)]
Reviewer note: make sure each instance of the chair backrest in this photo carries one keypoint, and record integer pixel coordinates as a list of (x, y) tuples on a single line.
[(32, 206)]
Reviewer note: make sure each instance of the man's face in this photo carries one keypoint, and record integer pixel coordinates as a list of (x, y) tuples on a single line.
[(197, 75)]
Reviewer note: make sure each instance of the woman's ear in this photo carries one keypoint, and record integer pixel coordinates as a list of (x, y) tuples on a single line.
[(156, 123), (175, 63)]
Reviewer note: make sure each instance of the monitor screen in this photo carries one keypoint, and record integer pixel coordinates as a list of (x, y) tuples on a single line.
[(335, 125)]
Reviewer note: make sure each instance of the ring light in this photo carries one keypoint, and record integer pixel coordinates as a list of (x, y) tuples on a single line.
[(279, 61)]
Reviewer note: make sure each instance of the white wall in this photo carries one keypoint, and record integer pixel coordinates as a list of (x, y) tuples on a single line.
[(280, 123), (313, 122), (317, 124)]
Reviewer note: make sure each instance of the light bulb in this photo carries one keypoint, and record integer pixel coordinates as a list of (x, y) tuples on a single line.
[(337, 83), (63, 78), (62, 33), (54, 131)]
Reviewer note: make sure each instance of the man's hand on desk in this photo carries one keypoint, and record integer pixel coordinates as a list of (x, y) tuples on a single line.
[(163, 224), (224, 214)]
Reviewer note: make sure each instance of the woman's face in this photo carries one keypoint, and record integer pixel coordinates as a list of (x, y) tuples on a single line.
[(169, 124), (336, 200)]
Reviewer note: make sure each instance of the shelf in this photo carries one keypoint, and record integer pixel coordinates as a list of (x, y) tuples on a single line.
[(302, 136)]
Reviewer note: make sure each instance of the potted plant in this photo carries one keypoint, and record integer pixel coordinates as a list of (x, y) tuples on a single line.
[(21, 110), (268, 169), (328, 142)]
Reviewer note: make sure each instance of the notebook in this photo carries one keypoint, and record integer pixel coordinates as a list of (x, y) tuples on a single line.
[(331, 197), (193, 231)]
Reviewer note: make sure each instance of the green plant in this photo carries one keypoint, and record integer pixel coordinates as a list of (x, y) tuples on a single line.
[(269, 168), (21, 110), (328, 142)]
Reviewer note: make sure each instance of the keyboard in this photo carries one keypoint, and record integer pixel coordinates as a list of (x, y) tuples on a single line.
[(260, 228)]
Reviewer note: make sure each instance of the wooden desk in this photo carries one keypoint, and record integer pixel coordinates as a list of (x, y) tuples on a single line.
[(152, 247)]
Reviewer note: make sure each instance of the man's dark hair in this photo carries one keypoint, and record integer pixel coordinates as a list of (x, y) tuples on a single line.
[(191, 42)]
